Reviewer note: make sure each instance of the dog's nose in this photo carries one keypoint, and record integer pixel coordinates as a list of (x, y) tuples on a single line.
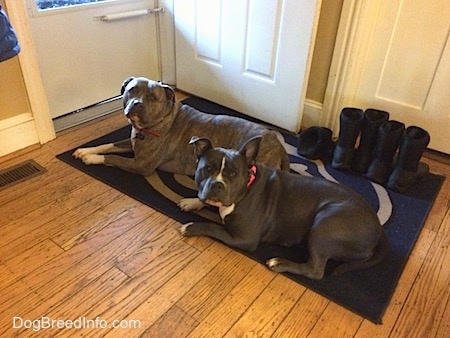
[(137, 107), (217, 186), (134, 108)]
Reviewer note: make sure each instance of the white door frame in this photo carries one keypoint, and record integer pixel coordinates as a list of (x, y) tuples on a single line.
[(38, 121), (356, 26)]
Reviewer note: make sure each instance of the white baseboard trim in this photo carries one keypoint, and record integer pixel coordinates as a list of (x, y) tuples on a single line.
[(312, 114), (17, 133)]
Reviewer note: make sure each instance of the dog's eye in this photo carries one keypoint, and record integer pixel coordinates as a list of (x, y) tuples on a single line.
[(233, 173), (208, 168)]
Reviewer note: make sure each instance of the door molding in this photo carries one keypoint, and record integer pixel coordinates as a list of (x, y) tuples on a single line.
[(357, 24), (40, 111)]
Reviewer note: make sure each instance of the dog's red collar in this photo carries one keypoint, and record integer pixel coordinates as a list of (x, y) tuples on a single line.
[(252, 175), (148, 132)]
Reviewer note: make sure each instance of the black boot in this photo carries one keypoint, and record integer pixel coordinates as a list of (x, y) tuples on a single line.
[(350, 126), (389, 135), (409, 168), (314, 142), (373, 119)]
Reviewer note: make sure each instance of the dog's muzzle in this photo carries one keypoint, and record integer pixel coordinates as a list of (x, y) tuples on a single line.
[(134, 107)]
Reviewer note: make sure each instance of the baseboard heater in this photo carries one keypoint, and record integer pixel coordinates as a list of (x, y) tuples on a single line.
[(87, 114), (129, 14)]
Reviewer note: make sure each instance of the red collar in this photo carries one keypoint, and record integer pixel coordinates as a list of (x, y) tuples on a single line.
[(148, 132), (252, 175)]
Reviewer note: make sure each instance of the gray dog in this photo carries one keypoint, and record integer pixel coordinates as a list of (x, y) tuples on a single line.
[(162, 128), (262, 204)]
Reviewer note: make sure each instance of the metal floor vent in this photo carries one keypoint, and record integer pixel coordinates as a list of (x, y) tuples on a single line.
[(20, 173)]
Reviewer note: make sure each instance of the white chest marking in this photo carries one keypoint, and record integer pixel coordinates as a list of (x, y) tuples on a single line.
[(133, 137), (224, 211)]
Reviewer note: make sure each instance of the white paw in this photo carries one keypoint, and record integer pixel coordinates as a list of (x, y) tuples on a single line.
[(184, 227), (277, 264), (273, 262), (189, 204), (93, 159), (81, 152)]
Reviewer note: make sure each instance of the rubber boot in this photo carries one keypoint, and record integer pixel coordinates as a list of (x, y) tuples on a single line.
[(409, 168), (373, 119), (314, 142), (350, 126), (389, 135)]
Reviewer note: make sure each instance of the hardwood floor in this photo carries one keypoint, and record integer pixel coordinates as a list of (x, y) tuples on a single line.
[(72, 248)]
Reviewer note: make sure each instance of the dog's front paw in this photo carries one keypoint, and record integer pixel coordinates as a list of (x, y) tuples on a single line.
[(81, 152), (184, 229), (277, 264), (93, 159), (189, 204)]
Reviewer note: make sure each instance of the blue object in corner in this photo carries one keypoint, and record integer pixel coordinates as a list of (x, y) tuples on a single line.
[(9, 45)]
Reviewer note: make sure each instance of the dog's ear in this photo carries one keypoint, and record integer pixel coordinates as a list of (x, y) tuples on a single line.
[(125, 84), (170, 94), (201, 145), (250, 150)]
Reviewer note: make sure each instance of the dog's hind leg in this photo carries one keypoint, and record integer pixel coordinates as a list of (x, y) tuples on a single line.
[(314, 268)]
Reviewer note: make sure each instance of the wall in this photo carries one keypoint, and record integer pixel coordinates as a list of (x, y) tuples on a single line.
[(323, 50), (13, 95)]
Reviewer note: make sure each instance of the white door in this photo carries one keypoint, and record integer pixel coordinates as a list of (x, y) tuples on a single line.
[(402, 57), (252, 56), (83, 60)]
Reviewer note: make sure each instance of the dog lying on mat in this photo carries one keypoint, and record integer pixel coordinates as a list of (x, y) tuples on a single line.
[(162, 128), (262, 204)]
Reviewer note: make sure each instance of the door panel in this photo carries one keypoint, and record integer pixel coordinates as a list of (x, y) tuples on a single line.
[(408, 70), (84, 60), (251, 56)]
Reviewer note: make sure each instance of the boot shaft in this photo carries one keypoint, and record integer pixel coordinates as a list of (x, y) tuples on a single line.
[(350, 126), (388, 139), (373, 119), (414, 142)]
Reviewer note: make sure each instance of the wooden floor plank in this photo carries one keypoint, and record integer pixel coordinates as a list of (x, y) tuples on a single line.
[(430, 293), (303, 317), (158, 302), (235, 304), (406, 282), (336, 321), (76, 265), (44, 195), (132, 293), (444, 325), (215, 286), (174, 323), (74, 306), (267, 312), (49, 219), (116, 206), (30, 260)]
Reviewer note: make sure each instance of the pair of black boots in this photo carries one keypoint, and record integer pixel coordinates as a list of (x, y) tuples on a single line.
[(379, 140)]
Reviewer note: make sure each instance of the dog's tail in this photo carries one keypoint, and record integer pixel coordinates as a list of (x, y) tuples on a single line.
[(380, 252)]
